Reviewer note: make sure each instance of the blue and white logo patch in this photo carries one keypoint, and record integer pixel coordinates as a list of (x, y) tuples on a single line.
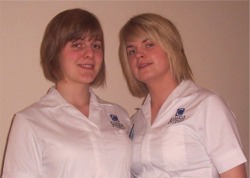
[(115, 122), (179, 116)]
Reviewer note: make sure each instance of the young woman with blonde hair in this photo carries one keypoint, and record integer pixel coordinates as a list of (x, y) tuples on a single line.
[(181, 130)]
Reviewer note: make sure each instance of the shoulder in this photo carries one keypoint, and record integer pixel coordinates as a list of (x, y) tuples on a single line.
[(211, 99), (29, 110), (211, 108), (23, 120), (38, 108), (203, 96)]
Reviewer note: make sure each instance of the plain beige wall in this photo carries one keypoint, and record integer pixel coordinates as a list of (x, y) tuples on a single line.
[(215, 36)]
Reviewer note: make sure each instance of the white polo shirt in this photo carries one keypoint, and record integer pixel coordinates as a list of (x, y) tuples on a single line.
[(194, 135), (52, 139)]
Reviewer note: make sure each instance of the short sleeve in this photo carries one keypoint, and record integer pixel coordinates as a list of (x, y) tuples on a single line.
[(221, 135), (23, 156)]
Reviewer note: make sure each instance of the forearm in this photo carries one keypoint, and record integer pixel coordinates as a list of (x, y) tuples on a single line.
[(236, 172)]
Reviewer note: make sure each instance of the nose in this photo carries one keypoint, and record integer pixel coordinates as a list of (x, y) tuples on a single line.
[(140, 54), (89, 51)]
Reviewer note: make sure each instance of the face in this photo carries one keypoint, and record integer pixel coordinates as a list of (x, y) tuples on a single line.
[(148, 61), (81, 60)]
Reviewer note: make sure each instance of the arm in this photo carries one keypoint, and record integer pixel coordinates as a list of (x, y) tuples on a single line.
[(22, 158), (222, 139), (236, 172)]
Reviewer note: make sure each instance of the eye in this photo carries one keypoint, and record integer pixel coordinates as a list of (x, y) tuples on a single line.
[(149, 45), (97, 45), (77, 45), (130, 52)]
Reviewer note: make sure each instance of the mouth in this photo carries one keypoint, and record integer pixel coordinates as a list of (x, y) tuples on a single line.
[(142, 66), (86, 66)]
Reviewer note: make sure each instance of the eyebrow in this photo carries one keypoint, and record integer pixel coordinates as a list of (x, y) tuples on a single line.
[(88, 39), (143, 41)]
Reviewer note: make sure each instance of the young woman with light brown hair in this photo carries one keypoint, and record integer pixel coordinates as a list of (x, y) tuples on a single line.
[(70, 132)]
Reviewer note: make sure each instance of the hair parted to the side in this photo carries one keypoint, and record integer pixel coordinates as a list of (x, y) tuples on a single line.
[(69, 25), (163, 32)]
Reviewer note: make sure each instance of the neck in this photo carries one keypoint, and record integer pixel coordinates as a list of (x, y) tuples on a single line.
[(159, 92), (77, 95)]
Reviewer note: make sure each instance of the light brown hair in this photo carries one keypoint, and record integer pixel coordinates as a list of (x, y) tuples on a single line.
[(66, 26)]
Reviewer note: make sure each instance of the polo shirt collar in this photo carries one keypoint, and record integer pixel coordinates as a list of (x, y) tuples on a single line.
[(54, 99), (184, 89)]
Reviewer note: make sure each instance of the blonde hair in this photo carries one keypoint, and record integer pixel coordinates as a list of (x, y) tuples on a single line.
[(163, 32), (66, 26)]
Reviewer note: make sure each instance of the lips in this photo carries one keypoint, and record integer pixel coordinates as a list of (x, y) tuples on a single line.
[(86, 66), (142, 66)]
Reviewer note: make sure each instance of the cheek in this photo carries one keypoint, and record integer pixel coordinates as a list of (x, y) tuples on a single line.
[(99, 62), (100, 59), (132, 63), (162, 60), (133, 67), (62, 62), (99, 56)]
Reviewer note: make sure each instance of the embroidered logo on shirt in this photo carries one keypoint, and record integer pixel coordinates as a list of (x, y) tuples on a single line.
[(179, 117), (115, 122)]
